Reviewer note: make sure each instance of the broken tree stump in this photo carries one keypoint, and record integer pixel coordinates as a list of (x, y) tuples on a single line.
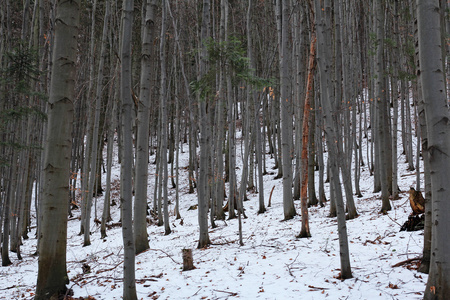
[(188, 261)]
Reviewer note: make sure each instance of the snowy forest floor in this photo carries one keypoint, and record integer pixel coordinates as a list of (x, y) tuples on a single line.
[(273, 263)]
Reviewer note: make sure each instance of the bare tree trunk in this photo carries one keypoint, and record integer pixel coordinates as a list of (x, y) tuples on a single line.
[(7, 212), (52, 272), (323, 61), (164, 123), (143, 123), (257, 104), (95, 133), (381, 102), (129, 283), (203, 197), (437, 119), (286, 114), (305, 232), (106, 214)]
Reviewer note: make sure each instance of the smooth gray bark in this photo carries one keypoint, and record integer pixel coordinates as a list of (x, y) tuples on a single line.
[(381, 103), (323, 62), (164, 122), (86, 199), (95, 133), (286, 114), (143, 123), (52, 272), (257, 105), (203, 197), (126, 197), (438, 133)]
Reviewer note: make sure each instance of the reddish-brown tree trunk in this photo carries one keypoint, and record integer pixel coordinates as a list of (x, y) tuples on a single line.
[(305, 131)]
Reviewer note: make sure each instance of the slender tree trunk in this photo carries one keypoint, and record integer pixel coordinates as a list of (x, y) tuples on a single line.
[(203, 197), (381, 102), (320, 158), (106, 214), (305, 131), (324, 61), (164, 123), (257, 104), (143, 122), (95, 133), (286, 113), (129, 283), (7, 213), (177, 148)]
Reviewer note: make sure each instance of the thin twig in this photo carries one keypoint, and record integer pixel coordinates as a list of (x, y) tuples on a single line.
[(168, 255), (197, 292), (289, 265), (110, 269), (393, 220), (317, 288), (230, 293)]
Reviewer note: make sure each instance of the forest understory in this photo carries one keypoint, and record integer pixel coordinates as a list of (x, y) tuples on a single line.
[(272, 263)]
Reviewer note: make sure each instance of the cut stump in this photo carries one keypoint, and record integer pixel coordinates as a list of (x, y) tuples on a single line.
[(188, 261)]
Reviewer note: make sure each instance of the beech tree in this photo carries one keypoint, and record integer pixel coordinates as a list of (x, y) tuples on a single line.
[(52, 272), (204, 69), (143, 120), (286, 111), (203, 197), (438, 136), (126, 197)]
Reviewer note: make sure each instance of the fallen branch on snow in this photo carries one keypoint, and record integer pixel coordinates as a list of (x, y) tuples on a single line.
[(317, 288), (167, 254), (407, 261), (230, 293)]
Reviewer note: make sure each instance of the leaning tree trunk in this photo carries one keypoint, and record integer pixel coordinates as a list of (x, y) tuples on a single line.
[(129, 283), (52, 272), (438, 126), (305, 232)]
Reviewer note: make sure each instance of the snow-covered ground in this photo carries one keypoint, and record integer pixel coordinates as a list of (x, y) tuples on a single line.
[(272, 264)]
